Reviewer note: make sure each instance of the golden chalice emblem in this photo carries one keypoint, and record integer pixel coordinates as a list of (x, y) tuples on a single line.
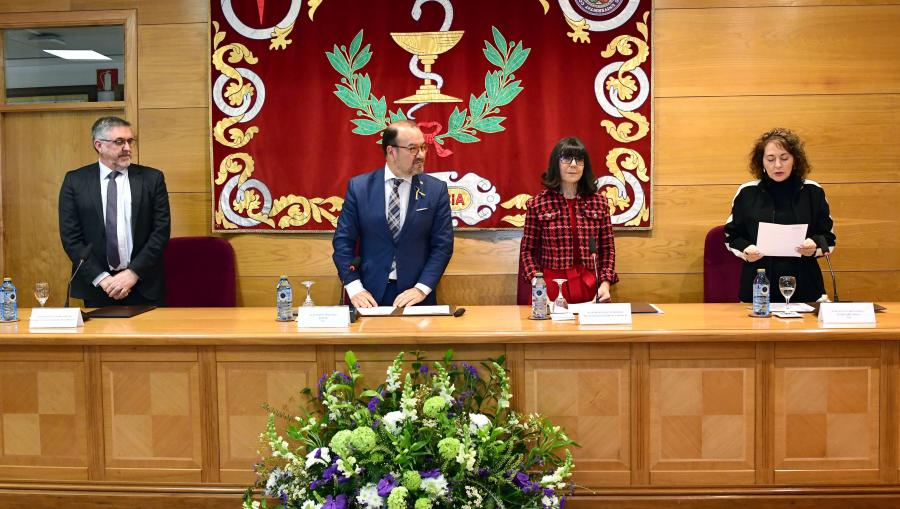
[(427, 46)]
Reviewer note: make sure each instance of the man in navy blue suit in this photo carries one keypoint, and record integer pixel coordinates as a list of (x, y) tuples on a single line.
[(400, 218)]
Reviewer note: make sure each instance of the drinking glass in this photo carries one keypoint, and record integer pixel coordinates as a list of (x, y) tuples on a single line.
[(42, 292), (787, 285), (560, 302), (308, 301)]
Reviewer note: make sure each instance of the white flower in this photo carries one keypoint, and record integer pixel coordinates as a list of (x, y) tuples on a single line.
[(408, 405), (393, 374), (550, 502), (478, 421), (348, 466), (466, 458), (251, 505), (391, 421), (318, 455), (368, 497), (434, 487), (272, 482), (309, 504)]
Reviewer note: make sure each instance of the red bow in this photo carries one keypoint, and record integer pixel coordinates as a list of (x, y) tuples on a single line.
[(429, 137)]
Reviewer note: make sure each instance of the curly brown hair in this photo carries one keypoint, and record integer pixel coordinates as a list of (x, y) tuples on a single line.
[(789, 141)]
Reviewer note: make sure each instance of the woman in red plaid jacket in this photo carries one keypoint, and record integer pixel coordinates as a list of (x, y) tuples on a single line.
[(563, 222)]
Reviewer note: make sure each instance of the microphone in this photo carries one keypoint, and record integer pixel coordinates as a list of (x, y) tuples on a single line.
[(833, 279), (353, 267), (83, 255), (592, 247)]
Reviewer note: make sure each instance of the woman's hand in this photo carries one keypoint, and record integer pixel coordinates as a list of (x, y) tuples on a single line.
[(751, 253), (603, 292), (808, 248)]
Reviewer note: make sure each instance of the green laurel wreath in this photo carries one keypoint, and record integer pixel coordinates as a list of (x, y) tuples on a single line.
[(500, 88)]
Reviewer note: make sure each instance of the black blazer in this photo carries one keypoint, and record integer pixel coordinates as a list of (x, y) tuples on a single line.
[(81, 222)]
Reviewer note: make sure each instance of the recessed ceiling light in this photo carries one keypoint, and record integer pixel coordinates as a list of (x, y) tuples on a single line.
[(77, 54)]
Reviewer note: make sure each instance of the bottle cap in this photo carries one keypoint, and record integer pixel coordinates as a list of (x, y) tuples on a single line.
[(283, 276), (7, 279), (760, 270), (538, 274)]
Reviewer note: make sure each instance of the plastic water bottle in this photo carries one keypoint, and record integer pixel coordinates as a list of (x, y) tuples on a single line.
[(9, 307), (284, 300), (761, 293), (538, 297)]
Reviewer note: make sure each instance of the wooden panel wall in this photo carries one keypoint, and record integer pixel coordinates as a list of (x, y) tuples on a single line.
[(724, 70)]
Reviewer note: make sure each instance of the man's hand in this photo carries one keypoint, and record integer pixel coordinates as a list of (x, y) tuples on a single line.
[(603, 292), (410, 297), (808, 248), (364, 299), (119, 286), (752, 253)]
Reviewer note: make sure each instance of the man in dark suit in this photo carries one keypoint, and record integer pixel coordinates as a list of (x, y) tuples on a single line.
[(122, 211), (400, 218)]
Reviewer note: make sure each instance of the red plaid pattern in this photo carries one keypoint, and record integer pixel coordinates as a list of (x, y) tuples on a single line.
[(547, 239)]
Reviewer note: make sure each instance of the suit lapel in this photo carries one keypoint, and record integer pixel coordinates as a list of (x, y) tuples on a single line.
[(135, 180), (377, 198), (411, 205), (93, 184)]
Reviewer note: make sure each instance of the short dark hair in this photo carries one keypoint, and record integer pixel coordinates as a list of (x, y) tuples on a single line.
[(104, 124), (389, 135), (569, 147), (789, 141)]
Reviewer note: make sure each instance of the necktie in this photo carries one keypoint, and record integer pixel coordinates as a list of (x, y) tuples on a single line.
[(393, 217), (112, 220)]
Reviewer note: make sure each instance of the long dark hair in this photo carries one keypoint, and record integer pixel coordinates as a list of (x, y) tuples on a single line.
[(569, 147)]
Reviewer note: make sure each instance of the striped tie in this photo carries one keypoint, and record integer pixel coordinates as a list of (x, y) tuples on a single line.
[(393, 217)]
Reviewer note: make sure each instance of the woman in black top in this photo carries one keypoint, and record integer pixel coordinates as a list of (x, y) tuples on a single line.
[(783, 195)]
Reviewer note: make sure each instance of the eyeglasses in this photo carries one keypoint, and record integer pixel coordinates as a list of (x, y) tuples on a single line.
[(414, 150), (120, 142), (569, 160)]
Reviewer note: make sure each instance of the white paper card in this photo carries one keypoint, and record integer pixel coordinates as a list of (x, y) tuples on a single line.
[(780, 239), (442, 310), (846, 312), (605, 314), (561, 317), (55, 318), (376, 311), (323, 316), (796, 307)]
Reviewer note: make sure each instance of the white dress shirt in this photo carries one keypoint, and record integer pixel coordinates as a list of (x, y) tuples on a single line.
[(123, 214), (355, 287)]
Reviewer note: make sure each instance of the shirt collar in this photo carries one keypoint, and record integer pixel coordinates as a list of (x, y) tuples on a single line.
[(105, 171), (388, 175)]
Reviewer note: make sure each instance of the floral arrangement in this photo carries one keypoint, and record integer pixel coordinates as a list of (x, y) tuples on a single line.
[(443, 436)]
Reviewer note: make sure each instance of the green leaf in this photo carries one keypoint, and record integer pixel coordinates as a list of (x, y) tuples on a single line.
[(350, 358), (379, 108), (456, 120), (491, 84), (508, 93), (517, 59), (492, 55), (365, 126), (399, 115), (448, 355), (338, 62), (500, 41), (357, 42), (339, 387), (369, 394), (490, 125), (363, 86), (360, 61), (463, 137), (347, 96), (476, 104)]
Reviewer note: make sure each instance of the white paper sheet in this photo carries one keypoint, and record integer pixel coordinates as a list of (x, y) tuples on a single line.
[(376, 311), (780, 239), (797, 307), (427, 310)]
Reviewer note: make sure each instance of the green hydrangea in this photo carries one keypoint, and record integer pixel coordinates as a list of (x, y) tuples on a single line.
[(340, 443), (412, 480), (363, 439), (423, 503), (448, 448), (434, 406), (397, 498)]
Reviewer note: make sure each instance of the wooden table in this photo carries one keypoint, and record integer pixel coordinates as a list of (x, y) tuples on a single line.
[(700, 400)]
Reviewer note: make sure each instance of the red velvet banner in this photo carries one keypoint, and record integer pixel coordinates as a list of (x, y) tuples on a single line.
[(302, 90)]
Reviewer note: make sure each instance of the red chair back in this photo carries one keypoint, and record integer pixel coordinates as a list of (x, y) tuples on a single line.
[(721, 269), (200, 272)]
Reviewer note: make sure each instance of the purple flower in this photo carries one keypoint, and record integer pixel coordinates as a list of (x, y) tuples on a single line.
[(386, 485), (430, 474), (373, 404), (423, 369), (470, 369), (339, 502)]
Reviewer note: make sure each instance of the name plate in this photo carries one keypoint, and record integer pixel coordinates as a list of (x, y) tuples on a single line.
[(846, 312), (605, 314), (313, 317), (55, 318)]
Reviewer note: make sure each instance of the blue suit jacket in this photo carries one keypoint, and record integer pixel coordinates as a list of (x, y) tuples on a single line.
[(422, 250)]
